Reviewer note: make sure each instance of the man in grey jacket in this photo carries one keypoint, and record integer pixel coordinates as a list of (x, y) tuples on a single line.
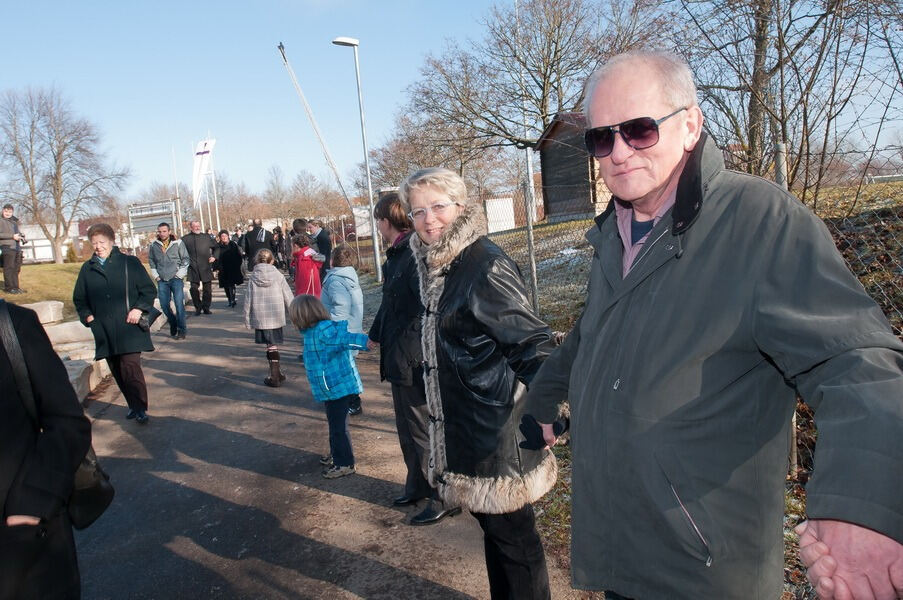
[(169, 260), (714, 299)]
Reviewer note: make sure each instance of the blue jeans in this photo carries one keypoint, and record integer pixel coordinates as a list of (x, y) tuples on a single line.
[(339, 438), (175, 288)]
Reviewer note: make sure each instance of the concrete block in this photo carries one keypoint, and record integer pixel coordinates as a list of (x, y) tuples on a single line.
[(76, 351), (71, 331), (49, 311), (80, 372)]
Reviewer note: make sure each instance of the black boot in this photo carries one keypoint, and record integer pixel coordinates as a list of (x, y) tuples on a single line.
[(276, 377)]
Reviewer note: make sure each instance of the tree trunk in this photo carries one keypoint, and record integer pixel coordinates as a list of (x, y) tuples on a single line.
[(57, 246), (758, 87)]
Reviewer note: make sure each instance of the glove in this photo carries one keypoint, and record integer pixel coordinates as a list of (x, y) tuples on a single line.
[(532, 432)]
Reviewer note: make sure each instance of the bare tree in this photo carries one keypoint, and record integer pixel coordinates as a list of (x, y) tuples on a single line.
[(53, 162), (530, 65), (809, 74)]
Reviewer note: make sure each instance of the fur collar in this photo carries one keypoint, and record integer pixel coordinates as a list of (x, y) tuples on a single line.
[(464, 231)]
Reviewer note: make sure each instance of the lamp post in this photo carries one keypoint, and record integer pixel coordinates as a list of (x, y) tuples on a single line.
[(374, 236)]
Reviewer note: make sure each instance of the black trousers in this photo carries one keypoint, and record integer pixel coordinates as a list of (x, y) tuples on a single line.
[(201, 302), (12, 262), (38, 562), (515, 560), (126, 369), (412, 423)]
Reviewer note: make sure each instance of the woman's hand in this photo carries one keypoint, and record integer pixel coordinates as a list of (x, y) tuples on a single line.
[(133, 316), (371, 345), (89, 318), (13, 520)]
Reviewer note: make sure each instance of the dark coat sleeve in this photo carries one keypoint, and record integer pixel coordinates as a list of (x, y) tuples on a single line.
[(145, 292), (38, 468), (500, 304)]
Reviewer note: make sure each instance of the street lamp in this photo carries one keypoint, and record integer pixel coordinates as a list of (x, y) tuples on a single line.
[(347, 41)]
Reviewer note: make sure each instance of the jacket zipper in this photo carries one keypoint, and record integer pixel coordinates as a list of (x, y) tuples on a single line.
[(648, 249), (708, 561)]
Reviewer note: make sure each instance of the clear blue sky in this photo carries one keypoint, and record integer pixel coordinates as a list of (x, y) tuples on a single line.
[(157, 75)]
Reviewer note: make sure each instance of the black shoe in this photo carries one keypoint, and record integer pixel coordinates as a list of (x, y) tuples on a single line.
[(197, 311), (180, 335), (406, 501), (206, 311), (141, 417), (430, 515), (131, 414), (355, 410), (173, 329)]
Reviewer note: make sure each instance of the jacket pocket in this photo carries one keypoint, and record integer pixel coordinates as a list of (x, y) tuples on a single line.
[(683, 510)]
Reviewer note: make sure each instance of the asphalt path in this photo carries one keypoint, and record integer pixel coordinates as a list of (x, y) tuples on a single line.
[(220, 495)]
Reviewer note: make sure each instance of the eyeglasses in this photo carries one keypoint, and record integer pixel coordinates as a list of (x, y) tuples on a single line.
[(639, 134), (438, 209)]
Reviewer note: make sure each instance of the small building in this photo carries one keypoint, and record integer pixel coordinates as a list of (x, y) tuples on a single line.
[(571, 185)]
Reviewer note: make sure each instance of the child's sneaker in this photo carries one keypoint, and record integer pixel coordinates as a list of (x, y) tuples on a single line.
[(335, 472), (326, 460)]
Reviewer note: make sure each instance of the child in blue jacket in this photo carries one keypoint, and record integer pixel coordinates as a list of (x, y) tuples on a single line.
[(333, 376)]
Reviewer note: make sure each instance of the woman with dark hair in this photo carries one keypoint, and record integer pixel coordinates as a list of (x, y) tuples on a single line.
[(113, 291), (482, 344), (228, 265), (396, 328), (279, 248)]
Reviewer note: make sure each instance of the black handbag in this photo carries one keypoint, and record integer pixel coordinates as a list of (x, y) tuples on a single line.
[(92, 491)]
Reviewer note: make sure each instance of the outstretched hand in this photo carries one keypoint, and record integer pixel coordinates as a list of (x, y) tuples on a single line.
[(849, 562)]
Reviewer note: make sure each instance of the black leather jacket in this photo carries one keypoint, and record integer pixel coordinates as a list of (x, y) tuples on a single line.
[(396, 326), (481, 343)]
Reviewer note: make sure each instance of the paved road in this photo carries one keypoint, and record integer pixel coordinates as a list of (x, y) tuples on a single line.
[(220, 495)]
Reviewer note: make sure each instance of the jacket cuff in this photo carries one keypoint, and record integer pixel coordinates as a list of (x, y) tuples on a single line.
[(859, 487)]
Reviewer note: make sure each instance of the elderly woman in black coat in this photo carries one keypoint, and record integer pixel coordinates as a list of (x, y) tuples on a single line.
[(113, 291), (482, 344)]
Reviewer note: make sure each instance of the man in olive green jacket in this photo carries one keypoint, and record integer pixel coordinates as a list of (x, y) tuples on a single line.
[(714, 299)]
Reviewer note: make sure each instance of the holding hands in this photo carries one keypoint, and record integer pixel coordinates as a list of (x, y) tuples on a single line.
[(850, 562)]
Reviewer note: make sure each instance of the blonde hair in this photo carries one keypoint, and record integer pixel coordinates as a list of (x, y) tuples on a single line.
[(306, 311), (441, 179), (264, 256)]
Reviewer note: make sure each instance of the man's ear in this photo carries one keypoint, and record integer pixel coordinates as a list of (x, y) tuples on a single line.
[(693, 123)]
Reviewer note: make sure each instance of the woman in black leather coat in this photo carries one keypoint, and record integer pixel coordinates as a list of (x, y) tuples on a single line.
[(482, 344)]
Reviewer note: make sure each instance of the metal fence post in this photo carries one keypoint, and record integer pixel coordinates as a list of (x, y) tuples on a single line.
[(531, 251)]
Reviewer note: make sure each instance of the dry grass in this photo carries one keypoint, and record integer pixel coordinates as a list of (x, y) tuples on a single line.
[(47, 282)]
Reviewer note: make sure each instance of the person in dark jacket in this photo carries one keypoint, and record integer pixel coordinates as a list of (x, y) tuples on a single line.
[(255, 240), (11, 240), (201, 248), (396, 328), (714, 299), (228, 266), (112, 292), (323, 242), (481, 344), (37, 548)]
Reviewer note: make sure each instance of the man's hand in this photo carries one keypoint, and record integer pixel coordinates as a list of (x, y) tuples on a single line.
[(89, 318), (13, 520), (211, 259), (850, 562)]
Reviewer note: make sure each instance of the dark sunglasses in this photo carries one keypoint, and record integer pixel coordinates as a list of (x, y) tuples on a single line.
[(639, 134)]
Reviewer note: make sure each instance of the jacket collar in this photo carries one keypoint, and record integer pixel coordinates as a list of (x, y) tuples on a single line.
[(704, 163), (465, 230)]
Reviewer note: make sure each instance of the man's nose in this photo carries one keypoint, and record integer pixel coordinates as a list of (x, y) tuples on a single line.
[(621, 150)]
